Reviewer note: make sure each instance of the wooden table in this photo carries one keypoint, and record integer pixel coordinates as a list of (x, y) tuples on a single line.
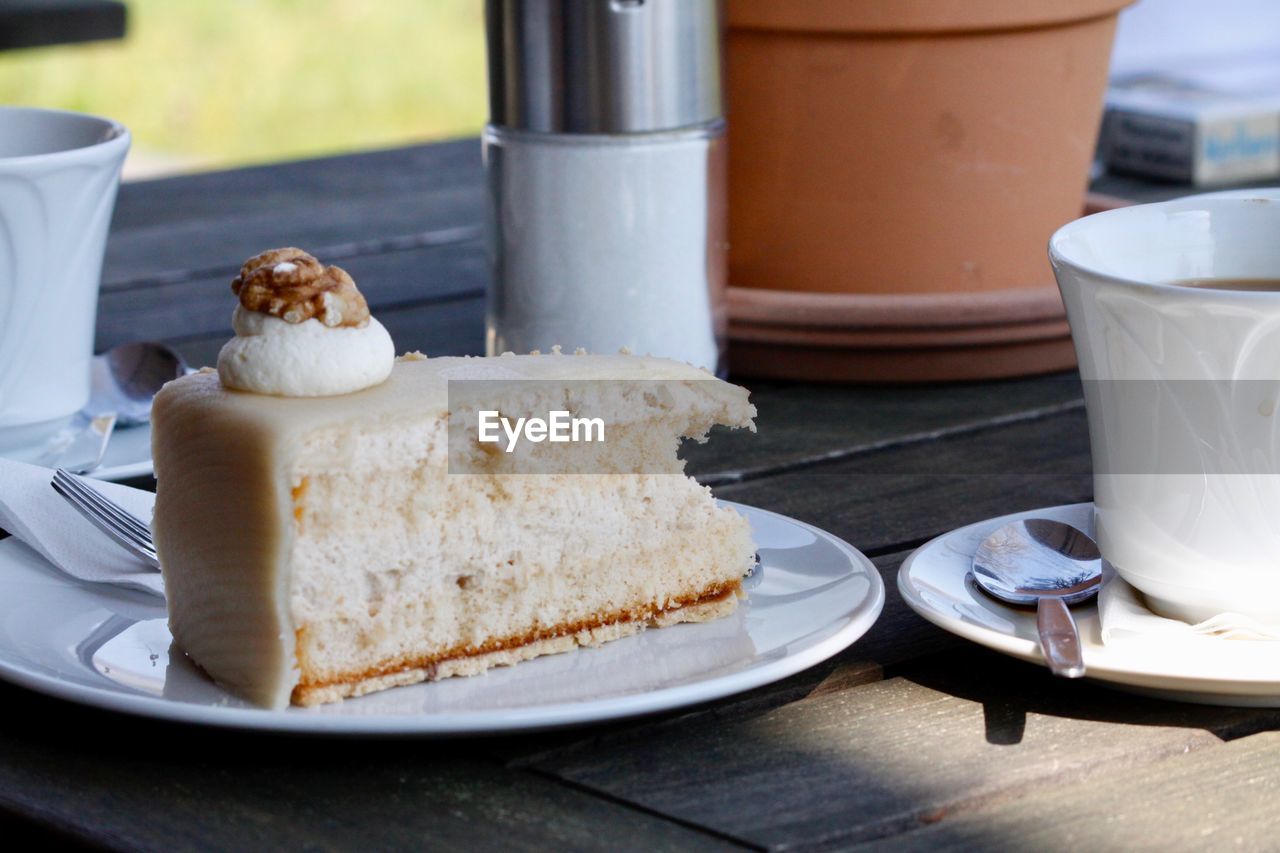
[(40, 23), (911, 738)]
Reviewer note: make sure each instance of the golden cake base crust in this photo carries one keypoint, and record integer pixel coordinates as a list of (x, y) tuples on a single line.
[(702, 607)]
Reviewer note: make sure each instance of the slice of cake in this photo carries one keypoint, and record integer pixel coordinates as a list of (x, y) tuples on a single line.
[(320, 539)]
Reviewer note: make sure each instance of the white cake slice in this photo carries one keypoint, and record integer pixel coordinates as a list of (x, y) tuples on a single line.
[(318, 547)]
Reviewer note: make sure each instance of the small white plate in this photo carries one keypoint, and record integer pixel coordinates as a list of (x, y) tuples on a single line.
[(128, 454), (812, 597), (935, 582)]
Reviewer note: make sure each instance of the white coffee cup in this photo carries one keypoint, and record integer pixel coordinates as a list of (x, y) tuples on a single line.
[(58, 177), (1182, 387)]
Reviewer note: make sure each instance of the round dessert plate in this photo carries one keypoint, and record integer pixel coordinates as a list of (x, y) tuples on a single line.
[(128, 454), (935, 582), (812, 596)]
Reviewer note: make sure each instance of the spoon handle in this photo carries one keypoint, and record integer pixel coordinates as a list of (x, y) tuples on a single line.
[(1058, 638)]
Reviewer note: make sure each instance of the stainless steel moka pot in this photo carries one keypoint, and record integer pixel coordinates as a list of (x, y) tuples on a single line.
[(605, 161)]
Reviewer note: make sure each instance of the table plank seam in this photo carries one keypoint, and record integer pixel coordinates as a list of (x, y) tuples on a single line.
[(316, 170), (753, 703), (468, 295), (633, 806), (746, 475), (1063, 768), (805, 685), (1078, 816), (901, 828), (872, 830), (50, 821), (330, 253), (906, 545)]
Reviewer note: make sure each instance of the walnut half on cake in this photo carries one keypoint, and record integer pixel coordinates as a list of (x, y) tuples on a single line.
[(318, 547)]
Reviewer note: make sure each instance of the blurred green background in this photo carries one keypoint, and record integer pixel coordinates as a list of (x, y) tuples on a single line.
[(212, 83)]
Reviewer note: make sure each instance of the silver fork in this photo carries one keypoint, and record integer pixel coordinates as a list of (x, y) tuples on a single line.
[(108, 516)]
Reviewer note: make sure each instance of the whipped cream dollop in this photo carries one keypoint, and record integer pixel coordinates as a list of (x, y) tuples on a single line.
[(302, 330), (308, 359)]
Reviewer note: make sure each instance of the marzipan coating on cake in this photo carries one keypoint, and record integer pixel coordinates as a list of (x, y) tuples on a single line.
[(217, 525), (319, 548)]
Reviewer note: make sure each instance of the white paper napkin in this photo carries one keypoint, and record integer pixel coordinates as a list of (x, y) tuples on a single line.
[(34, 513), (1125, 618)]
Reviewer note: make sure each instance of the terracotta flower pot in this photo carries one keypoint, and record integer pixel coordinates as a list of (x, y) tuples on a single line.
[(911, 147)]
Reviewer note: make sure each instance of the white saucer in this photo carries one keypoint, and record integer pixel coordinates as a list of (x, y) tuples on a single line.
[(128, 454), (934, 581), (813, 596)]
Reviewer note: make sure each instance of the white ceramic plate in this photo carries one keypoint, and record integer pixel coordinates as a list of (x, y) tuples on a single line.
[(128, 454), (813, 596), (935, 582)]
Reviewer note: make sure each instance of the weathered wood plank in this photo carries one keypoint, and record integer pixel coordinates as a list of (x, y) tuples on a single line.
[(139, 784), (164, 229), (903, 495), (1223, 797), (298, 183), (885, 757), (39, 23), (812, 425), (203, 306)]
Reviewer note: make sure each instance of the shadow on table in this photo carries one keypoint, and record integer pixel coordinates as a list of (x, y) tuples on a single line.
[(1009, 690)]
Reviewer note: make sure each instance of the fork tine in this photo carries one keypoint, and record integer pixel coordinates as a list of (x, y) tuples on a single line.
[(124, 537), (77, 499), (108, 507), (105, 510), (143, 553), (106, 516)]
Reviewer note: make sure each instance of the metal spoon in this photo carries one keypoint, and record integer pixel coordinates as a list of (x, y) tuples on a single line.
[(127, 377), (1049, 564), (123, 381)]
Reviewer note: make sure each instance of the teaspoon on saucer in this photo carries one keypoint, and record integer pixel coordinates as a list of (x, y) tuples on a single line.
[(1051, 565)]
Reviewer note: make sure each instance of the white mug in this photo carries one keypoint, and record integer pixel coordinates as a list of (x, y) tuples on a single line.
[(1182, 388), (58, 177)]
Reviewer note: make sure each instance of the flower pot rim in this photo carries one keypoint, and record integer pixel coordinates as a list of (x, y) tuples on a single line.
[(912, 16)]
